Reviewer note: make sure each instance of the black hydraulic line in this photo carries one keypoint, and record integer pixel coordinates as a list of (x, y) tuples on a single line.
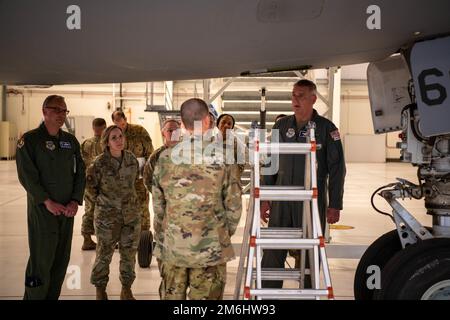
[(373, 204)]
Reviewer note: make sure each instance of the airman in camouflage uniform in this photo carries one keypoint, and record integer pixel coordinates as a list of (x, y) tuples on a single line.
[(90, 149), (231, 145), (170, 139), (137, 141), (197, 209), (111, 185)]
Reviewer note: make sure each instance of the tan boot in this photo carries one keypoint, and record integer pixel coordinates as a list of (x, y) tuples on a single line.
[(88, 244), (101, 293), (126, 294)]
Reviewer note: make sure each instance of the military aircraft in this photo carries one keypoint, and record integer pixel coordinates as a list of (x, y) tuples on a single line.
[(107, 41), (51, 42)]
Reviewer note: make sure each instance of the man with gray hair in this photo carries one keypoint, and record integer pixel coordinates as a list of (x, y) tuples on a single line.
[(330, 171), (170, 138), (51, 170), (197, 209)]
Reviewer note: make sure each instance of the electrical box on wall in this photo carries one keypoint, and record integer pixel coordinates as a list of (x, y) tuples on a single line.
[(8, 140)]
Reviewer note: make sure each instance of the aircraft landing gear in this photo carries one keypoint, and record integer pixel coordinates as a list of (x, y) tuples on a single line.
[(378, 254)]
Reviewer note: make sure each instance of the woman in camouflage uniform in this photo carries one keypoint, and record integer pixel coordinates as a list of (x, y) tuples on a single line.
[(224, 123), (111, 184)]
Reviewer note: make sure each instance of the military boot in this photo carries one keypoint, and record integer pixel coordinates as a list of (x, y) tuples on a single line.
[(88, 243), (126, 294), (101, 293)]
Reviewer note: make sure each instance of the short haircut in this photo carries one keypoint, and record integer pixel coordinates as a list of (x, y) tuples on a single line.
[(51, 99), (193, 110), (105, 137), (98, 122), (306, 83), (118, 113), (168, 121), (226, 115)]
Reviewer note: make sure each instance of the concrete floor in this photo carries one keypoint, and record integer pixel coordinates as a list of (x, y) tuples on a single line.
[(345, 247)]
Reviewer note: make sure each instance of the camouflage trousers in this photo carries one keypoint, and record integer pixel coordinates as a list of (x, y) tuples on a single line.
[(203, 283), (143, 199), (87, 225), (108, 234)]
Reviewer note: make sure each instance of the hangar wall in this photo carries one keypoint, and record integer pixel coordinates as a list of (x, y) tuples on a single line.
[(24, 108)]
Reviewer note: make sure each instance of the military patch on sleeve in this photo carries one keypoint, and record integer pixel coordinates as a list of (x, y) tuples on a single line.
[(21, 143), (335, 135)]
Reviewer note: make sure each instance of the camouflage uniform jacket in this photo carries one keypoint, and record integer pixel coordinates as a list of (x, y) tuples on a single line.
[(90, 148), (197, 209), (111, 186), (138, 141), (149, 167)]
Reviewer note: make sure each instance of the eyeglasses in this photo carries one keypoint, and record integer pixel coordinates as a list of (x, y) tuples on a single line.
[(58, 110)]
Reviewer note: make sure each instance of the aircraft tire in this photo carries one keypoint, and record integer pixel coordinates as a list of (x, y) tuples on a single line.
[(378, 254), (420, 271), (145, 249)]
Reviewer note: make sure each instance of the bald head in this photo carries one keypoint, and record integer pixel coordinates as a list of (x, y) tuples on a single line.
[(194, 110)]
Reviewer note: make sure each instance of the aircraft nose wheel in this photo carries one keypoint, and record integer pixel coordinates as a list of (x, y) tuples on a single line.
[(377, 254), (420, 271), (145, 249), (440, 291)]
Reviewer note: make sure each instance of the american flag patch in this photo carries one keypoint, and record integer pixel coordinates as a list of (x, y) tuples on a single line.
[(335, 135)]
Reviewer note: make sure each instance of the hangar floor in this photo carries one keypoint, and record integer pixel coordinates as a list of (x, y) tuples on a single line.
[(345, 247)]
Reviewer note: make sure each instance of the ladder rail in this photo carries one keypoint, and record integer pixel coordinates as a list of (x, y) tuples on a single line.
[(244, 249)]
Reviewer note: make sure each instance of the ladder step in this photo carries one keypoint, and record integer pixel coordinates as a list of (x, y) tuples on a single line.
[(287, 243), (273, 193), (285, 148), (280, 274), (280, 233), (289, 293)]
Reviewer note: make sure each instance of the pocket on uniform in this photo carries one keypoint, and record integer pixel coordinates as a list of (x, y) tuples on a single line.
[(217, 282)]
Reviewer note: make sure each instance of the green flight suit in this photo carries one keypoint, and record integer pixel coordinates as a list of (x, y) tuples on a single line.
[(49, 167), (330, 180)]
